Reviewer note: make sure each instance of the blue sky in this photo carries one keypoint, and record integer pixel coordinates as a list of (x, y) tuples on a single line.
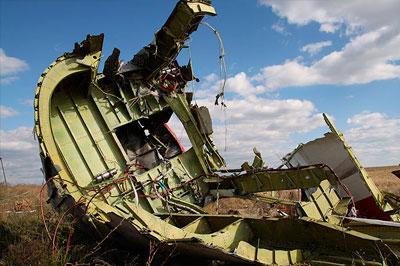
[(288, 60)]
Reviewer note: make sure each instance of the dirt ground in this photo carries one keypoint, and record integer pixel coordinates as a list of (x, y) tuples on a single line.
[(25, 198), (23, 239), (20, 199), (382, 176)]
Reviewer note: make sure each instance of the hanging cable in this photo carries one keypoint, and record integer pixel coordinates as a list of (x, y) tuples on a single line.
[(130, 177), (222, 64), (107, 93), (41, 207), (223, 76), (191, 67)]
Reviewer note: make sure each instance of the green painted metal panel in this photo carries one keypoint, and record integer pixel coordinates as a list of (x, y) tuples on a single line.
[(76, 120)]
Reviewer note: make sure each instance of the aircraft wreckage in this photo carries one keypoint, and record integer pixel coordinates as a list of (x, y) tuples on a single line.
[(108, 153)]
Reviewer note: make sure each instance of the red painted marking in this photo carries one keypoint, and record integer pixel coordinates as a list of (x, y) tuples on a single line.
[(368, 208), (175, 137), (171, 79)]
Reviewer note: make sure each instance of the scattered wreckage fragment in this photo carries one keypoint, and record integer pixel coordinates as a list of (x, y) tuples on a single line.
[(333, 150), (108, 153)]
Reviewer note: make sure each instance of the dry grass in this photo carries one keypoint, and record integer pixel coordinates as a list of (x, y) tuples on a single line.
[(384, 179), (24, 241), (382, 176), (256, 208)]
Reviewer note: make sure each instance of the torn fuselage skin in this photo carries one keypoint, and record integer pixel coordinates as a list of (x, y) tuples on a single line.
[(106, 143)]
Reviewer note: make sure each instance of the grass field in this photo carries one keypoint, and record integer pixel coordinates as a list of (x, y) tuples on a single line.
[(384, 178), (24, 240)]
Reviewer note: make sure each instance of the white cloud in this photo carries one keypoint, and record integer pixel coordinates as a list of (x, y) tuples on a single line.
[(17, 139), (264, 123), (20, 155), (315, 48), (331, 15), (329, 27), (375, 138), (7, 80), (9, 67), (368, 56), (6, 111), (27, 102), (280, 28), (243, 85), (252, 120)]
